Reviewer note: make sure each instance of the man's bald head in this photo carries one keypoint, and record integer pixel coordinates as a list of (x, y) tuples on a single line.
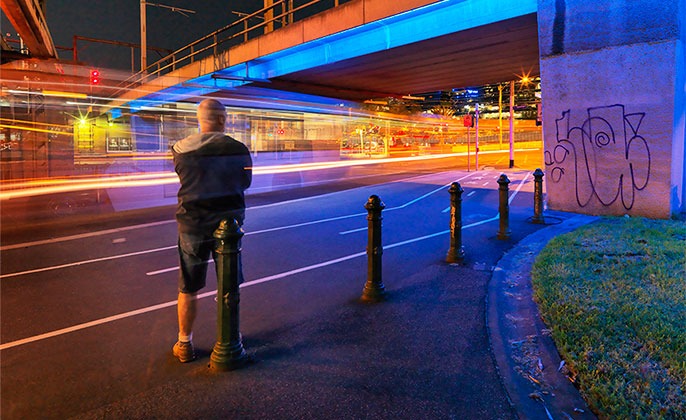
[(211, 116)]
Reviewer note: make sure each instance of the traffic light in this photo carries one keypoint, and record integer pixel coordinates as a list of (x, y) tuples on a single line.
[(468, 120), (95, 77)]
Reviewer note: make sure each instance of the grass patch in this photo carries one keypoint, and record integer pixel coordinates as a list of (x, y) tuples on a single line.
[(614, 295)]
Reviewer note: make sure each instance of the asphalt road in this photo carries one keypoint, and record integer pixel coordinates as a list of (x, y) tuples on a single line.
[(89, 316)]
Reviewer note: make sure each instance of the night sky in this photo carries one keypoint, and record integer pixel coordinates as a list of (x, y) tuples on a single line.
[(120, 21)]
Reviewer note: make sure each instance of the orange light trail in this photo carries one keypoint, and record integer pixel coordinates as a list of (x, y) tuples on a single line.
[(160, 178), (35, 123), (40, 130)]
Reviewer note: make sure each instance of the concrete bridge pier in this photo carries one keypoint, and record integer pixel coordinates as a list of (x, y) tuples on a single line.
[(613, 89)]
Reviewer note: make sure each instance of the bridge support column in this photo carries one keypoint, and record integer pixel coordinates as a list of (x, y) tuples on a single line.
[(613, 105)]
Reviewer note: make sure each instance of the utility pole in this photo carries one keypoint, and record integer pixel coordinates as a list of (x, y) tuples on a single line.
[(512, 84), (476, 137), (144, 46), (500, 116)]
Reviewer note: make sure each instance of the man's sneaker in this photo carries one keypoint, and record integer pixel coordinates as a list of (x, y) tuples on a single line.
[(184, 351)]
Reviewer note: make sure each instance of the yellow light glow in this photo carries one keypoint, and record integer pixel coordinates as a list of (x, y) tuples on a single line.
[(65, 94)]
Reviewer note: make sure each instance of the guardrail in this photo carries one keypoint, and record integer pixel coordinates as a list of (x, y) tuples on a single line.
[(238, 32)]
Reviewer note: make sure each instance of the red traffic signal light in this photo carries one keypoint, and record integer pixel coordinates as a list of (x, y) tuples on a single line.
[(95, 77), (468, 120), (280, 131)]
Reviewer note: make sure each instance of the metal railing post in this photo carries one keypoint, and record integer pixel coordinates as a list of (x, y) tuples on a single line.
[(456, 251), (538, 197), (228, 353), (504, 208), (374, 290)]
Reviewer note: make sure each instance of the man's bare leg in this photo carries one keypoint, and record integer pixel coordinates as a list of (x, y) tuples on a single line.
[(187, 309)]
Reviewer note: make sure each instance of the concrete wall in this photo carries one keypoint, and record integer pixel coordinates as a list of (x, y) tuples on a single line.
[(612, 75), (679, 135)]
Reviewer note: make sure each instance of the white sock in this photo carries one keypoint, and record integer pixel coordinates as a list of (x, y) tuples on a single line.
[(186, 338)]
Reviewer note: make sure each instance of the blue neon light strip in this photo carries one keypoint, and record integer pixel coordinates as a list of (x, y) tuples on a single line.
[(434, 20)]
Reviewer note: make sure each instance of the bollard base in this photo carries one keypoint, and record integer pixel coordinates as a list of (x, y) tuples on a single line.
[(455, 257), (374, 295), (228, 356), (537, 220), (503, 236)]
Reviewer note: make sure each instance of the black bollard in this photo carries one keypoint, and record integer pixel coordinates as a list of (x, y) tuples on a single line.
[(374, 290), (504, 208), (538, 197), (455, 252), (228, 353)]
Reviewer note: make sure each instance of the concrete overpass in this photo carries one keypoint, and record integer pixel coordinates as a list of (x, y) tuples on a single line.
[(613, 78), (371, 48)]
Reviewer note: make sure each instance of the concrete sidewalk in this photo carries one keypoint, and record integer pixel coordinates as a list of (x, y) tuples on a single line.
[(423, 354)]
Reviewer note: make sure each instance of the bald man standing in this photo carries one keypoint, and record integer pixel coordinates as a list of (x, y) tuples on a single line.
[(214, 171)]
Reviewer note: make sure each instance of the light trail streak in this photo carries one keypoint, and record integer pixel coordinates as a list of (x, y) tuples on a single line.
[(85, 179), (171, 177), (39, 130), (35, 123)]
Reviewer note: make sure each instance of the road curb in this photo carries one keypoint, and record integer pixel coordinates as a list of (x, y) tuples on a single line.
[(525, 354)]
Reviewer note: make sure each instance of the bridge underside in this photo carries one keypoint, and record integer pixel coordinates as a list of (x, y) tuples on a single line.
[(493, 53), (439, 46)]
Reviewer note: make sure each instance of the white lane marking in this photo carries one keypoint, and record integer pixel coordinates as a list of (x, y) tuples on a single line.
[(112, 257), (313, 222), (500, 160), (496, 217), (399, 207), (352, 231), (263, 206), (214, 292), (471, 194), (38, 270), (118, 240), (146, 225), (166, 270), (519, 187), (84, 235), (486, 183), (447, 209)]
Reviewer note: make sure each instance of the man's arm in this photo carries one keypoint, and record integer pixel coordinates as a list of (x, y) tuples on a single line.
[(247, 170)]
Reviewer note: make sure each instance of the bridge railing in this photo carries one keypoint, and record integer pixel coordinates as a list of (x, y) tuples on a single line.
[(279, 14)]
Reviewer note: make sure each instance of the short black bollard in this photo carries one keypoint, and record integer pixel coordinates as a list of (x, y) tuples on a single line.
[(374, 290), (504, 208), (455, 252), (538, 197), (228, 353)]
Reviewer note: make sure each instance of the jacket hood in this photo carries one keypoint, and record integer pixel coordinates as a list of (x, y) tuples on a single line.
[(196, 141)]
